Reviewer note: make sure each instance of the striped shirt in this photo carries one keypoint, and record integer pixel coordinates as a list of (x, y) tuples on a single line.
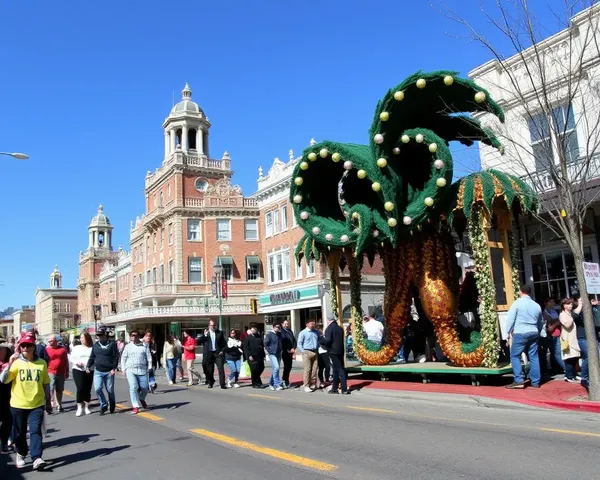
[(136, 358)]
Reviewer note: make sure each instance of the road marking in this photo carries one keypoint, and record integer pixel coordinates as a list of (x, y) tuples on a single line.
[(271, 452), (120, 406), (150, 416), (68, 394), (570, 432), (369, 409)]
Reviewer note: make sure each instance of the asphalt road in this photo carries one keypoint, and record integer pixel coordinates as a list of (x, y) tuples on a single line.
[(197, 433)]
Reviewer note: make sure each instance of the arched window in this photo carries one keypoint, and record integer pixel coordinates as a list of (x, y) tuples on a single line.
[(178, 141), (192, 139), (201, 185)]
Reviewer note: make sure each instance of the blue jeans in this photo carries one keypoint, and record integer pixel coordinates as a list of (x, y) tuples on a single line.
[(104, 379), (34, 418), (172, 369), (525, 342), (584, 360), (138, 387), (235, 367), (552, 345), (274, 380)]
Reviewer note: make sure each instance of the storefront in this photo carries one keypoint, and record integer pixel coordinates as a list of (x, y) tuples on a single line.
[(298, 305)]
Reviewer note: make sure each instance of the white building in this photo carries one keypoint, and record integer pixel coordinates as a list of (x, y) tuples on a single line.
[(547, 263)]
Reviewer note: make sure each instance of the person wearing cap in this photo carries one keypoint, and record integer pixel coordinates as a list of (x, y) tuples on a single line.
[(105, 359), (6, 350), (30, 395), (333, 341)]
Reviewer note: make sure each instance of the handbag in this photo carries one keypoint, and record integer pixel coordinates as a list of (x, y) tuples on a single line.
[(564, 344), (245, 371)]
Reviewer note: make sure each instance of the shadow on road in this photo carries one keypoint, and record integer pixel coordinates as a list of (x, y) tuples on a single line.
[(82, 457), (168, 406), (8, 471), (171, 390), (61, 442)]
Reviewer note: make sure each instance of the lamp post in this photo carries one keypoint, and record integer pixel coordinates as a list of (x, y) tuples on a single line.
[(218, 269), (17, 155)]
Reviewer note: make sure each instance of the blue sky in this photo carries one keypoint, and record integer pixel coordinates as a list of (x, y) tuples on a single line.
[(85, 87)]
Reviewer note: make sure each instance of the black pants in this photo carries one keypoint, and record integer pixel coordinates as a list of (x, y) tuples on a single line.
[(22, 418), (287, 367), (339, 373), (83, 383), (324, 370), (209, 360), (5, 414), (416, 345), (257, 367)]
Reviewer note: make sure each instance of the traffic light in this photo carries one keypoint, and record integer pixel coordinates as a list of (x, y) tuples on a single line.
[(254, 305)]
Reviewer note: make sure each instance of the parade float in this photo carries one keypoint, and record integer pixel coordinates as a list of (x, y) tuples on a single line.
[(394, 198)]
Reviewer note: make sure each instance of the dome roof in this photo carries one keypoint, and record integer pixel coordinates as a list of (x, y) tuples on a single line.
[(100, 220), (186, 105), (55, 272)]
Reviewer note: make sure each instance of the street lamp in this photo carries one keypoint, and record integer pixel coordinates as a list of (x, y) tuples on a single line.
[(17, 155), (218, 269)]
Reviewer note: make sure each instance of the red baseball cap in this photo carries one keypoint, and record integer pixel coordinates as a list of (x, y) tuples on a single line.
[(27, 337)]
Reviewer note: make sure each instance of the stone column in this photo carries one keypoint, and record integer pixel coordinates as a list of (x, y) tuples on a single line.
[(184, 138), (199, 141), (167, 144), (173, 140), (295, 321), (91, 242)]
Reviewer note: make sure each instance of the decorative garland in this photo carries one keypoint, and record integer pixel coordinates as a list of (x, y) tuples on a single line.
[(514, 263), (333, 262), (358, 334), (487, 290)]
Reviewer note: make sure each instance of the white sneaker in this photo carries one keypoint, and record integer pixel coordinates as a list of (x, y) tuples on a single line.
[(170, 382), (422, 359), (39, 464), (279, 388), (308, 389), (20, 461), (79, 411), (228, 383), (271, 387), (87, 410), (236, 385)]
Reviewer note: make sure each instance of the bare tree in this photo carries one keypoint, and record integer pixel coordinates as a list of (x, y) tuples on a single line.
[(550, 88)]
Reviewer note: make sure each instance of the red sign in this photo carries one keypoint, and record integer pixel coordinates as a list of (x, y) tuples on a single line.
[(224, 288)]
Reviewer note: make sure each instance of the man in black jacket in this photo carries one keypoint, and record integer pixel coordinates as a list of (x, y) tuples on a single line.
[(333, 342), (214, 345), (104, 359), (254, 351), (288, 349)]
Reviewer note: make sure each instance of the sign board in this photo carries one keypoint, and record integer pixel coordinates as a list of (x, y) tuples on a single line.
[(285, 297), (224, 292), (591, 271)]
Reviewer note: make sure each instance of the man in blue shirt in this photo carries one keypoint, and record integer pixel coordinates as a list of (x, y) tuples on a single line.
[(308, 344), (524, 324)]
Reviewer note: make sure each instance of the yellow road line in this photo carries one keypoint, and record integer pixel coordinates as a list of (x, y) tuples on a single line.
[(68, 394), (120, 406), (150, 416), (278, 454), (570, 432), (369, 409)]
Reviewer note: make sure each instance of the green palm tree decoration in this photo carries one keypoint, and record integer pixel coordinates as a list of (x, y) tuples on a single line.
[(394, 198)]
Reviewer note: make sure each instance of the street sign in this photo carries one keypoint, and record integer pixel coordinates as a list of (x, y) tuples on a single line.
[(213, 285), (224, 288), (591, 272)]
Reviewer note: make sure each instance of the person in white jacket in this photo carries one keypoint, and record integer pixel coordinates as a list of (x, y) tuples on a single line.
[(84, 379)]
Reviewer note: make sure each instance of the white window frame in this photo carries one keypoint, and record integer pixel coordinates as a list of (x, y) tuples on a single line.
[(311, 269), (162, 238), (171, 234), (194, 230), (278, 267), (276, 222), (268, 224), (298, 269), (223, 221), (171, 272), (284, 218), (246, 222), (197, 261), (248, 279)]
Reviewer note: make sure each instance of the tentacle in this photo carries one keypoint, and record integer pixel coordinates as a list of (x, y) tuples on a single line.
[(439, 302)]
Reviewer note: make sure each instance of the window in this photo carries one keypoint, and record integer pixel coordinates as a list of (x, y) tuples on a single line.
[(154, 275), (284, 218), (162, 238), (194, 230), (294, 220), (251, 229), (298, 269), (201, 185), (223, 230), (279, 266), (171, 234), (147, 247), (310, 268), (553, 274), (276, 224), (171, 271), (154, 243), (56, 307), (195, 270), (148, 277), (252, 268), (227, 264), (162, 274), (160, 199), (563, 121), (140, 284), (269, 224)]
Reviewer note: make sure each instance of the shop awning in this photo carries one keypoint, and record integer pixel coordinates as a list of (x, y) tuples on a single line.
[(225, 260), (252, 260)]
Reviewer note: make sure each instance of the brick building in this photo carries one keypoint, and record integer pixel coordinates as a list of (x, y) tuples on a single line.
[(55, 307)]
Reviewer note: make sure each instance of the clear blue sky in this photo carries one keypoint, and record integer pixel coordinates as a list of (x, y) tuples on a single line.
[(85, 86)]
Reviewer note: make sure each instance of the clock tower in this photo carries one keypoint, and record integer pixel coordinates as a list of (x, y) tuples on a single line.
[(99, 251)]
